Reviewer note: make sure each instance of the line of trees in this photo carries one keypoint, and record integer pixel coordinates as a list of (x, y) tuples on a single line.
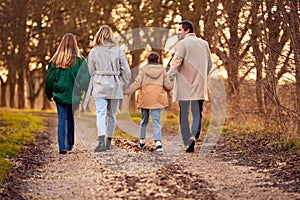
[(246, 37)]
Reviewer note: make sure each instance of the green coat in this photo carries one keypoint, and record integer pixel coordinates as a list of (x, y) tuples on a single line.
[(66, 86)]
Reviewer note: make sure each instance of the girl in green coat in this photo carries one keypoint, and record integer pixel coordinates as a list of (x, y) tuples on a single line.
[(66, 80)]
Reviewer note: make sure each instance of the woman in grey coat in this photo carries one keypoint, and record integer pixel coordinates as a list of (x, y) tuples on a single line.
[(110, 76)]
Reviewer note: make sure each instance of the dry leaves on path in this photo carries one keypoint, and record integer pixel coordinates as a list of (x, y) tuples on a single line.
[(126, 172)]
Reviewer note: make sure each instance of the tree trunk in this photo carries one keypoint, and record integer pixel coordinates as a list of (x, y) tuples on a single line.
[(233, 81), (298, 93), (258, 54), (22, 58), (135, 49), (295, 39), (21, 88), (3, 94), (46, 103), (259, 88), (276, 39), (12, 87)]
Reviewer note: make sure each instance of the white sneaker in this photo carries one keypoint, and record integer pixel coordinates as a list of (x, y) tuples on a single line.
[(159, 146), (141, 144)]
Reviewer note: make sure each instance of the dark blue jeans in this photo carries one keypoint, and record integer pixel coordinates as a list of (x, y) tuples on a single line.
[(196, 109), (65, 126)]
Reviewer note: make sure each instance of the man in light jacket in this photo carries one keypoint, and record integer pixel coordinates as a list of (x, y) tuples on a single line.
[(189, 69)]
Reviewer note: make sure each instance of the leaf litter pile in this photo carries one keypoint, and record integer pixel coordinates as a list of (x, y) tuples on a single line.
[(266, 153), (149, 174)]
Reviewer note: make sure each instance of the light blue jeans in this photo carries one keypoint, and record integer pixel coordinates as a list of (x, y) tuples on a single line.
[(155, 116), (106, 116)]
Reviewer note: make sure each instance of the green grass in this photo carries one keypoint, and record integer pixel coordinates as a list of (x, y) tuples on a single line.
[(121, 134), (16, 129), (278, 139)]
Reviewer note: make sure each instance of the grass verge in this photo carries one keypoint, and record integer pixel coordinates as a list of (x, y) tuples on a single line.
[(16, 129), (281, 141)]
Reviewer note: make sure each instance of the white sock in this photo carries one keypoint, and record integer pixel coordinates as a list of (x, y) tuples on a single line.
[(158, 143), (142, 141)]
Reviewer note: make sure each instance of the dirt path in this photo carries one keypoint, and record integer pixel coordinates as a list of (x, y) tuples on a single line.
[(124, 173)]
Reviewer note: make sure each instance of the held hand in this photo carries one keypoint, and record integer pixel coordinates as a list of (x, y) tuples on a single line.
[(50, 99)]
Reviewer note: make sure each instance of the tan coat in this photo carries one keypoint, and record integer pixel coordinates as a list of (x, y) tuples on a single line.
[(154, 84), (189, 69)]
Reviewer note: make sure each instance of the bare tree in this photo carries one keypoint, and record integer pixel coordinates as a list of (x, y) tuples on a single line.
[(291, 18), (256, 40)]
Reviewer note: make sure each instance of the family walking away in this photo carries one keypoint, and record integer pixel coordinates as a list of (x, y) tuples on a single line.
[(189, 69), (153, 85), (66, 80), (110, 76), (106, 76)]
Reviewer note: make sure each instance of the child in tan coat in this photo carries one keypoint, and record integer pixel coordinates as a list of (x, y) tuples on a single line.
[(154, 85)]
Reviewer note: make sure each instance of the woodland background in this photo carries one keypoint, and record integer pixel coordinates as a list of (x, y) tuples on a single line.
[(255, 38)]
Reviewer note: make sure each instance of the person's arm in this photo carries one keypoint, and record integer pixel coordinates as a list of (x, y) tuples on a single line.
[(51, 76), (125, 72), (176, 61), (137, 84), (209, 63), (91, 62), (175, 66), (167, 84), (82, 78)]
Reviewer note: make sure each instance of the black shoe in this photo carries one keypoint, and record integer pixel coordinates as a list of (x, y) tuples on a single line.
[(101, 146), (141, 145), (108, 143), (63, 152), (70, 148), (191, 147)]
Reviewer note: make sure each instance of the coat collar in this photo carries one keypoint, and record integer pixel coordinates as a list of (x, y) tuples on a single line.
[(190, 35)]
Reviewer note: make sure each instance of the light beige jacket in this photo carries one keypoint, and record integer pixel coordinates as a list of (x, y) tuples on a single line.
[(109, 70), (153, 82), (189, 68)]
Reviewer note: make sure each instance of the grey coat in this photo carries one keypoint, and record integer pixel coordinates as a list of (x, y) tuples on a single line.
[(109, 70)]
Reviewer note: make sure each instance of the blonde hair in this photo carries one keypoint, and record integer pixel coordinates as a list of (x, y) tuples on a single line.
[(103, 34), (66, 52)]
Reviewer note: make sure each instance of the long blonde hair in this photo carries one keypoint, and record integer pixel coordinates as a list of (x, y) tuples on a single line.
[(103, 34), (66, 52)]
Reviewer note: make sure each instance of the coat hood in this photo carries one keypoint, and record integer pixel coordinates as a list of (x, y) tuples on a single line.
[(153, 70)]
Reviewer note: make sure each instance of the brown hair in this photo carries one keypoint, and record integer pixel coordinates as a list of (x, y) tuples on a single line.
[(153, 57), (66, 52), (187, 25)]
